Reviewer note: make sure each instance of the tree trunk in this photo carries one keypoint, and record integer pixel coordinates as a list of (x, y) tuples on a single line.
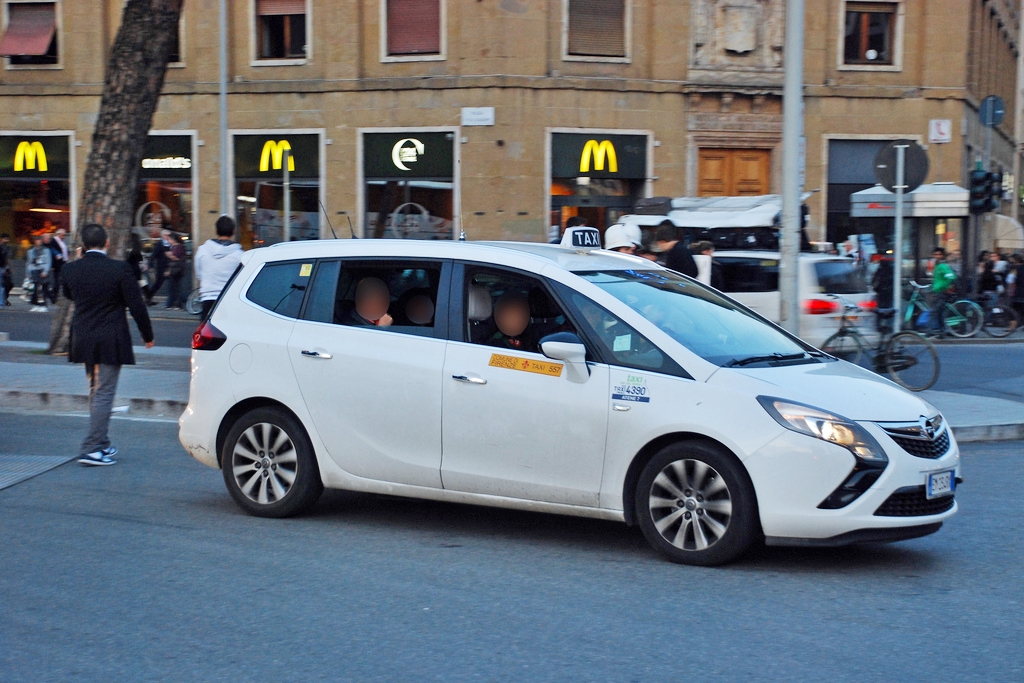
[(135, 76)]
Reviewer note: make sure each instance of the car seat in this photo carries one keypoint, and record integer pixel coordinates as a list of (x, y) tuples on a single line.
[(479, 308)]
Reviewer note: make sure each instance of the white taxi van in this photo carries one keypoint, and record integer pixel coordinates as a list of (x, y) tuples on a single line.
[(554, 378)]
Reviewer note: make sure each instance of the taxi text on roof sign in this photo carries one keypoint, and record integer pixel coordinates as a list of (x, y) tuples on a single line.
[(582, 238)]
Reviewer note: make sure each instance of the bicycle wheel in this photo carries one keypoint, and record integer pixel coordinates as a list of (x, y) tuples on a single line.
[(193, 305), (964, 318), (844, 346), (1000, 321), (912, 361)]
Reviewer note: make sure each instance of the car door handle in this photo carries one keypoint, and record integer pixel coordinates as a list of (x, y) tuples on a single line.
[(618, 407), (471, 380), (316, 354)]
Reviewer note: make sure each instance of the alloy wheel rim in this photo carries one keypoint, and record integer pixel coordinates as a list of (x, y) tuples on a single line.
[(264, 463), (690, 505)]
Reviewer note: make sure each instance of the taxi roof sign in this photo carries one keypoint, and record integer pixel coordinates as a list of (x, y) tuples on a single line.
[(581, 238)]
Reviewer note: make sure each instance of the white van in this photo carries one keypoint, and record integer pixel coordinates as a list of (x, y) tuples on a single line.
[(752, 278)]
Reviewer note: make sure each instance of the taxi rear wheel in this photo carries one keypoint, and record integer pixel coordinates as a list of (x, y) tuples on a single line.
[(269, 466), (695, 504)]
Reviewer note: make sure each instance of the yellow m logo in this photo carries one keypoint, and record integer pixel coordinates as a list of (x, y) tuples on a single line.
[(272, 153), (30, 155), (598, 151)]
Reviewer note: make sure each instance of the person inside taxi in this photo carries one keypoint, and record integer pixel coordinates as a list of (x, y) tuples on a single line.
[(419, 309), (512, 318), (372, 302)]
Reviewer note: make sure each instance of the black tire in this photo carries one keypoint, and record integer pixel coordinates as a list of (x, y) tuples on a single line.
[(971, 318), (843, 346), (695, 504), (912, 361), (1001, 321), (269, 465)]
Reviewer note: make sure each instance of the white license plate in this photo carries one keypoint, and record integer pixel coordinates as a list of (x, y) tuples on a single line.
[(941, 484)]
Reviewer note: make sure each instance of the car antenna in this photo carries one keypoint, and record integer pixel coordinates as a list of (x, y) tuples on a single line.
[(324, 209), (350, 229)]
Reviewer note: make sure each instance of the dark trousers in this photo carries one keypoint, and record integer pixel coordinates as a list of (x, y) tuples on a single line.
[(157, 284), (41, 290), (102, 387)]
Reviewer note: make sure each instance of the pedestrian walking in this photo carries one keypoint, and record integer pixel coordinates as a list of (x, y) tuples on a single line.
[(158, 262), (59, 251), (6, 279), (38, 262), (176, 268), (101, 288), (675, 252), (216, 261)]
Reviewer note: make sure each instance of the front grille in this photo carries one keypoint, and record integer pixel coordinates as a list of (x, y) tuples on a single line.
[(912, 501), (922, 439)]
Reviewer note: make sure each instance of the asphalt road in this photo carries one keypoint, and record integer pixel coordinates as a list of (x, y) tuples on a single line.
[(23, 325), (147, 571)]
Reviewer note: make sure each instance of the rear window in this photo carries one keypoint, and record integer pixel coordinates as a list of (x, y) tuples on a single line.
[(842, 276), (279, 287), (744, 274)]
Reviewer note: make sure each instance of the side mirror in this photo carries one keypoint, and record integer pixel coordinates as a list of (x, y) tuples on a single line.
[(567, 347)]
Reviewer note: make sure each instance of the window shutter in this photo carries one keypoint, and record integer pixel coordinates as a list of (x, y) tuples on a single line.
[(414, 27), (266, 8), (29, 30), (597, 28)]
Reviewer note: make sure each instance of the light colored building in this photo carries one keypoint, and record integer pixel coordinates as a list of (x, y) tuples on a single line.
[(502, 118)]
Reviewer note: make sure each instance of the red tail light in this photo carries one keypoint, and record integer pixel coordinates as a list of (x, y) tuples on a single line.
[(208, 338), (820, 307), (868, 305)]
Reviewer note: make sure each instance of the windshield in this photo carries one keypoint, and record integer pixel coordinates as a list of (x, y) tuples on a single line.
[(705, 322)]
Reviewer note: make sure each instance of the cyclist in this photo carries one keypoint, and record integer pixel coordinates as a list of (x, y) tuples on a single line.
[(943, 290)]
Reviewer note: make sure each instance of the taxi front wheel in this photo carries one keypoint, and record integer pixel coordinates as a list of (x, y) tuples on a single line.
[(695, 504), (269, 466)]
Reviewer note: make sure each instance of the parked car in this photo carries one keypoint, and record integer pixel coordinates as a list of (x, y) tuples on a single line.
[(553, 378), (752, 278)]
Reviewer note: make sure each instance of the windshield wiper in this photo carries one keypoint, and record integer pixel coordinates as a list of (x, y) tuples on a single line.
[(768, 358)]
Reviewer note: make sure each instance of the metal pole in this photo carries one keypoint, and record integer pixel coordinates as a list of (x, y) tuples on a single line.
[(287, 222), (897, 249), (792, 124), (225, 193)]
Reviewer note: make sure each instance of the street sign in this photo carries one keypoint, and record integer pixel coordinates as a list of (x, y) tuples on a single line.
[(991, 111), (940, 131), (915, 171)]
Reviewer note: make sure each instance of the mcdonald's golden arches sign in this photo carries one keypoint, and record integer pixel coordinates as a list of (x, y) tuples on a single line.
[(262, 156), (575, 155), (33, 156)]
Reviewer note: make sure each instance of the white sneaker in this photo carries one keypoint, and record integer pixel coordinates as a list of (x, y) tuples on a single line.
[(37, 309)]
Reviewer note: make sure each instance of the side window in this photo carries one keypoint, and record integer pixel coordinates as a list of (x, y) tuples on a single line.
[(280, 287), (620, 344), (397, 296), (510, 311), (741, 274)]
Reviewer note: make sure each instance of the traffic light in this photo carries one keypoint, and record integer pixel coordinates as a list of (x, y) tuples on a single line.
[(995, 191), (979, 197)]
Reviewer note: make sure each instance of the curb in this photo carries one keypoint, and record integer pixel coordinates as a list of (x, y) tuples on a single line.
[(1007, 432), (47, 402)]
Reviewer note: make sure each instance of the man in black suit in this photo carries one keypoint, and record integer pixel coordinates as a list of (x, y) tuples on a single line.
[(101, 289)]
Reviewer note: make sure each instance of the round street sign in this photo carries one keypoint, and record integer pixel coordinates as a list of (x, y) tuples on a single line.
[(991, 111), (915, 165)]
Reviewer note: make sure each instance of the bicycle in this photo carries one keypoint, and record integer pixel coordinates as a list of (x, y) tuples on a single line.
[(909, 358), (963, 317), (1000, 319)]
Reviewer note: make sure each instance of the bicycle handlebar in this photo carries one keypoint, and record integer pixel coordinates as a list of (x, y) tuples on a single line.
[(917, 286)]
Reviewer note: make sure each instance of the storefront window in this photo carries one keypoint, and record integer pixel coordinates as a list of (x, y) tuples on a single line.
[(260, 177), (164, 199), (595, 176), (409, 187), (35, 188)]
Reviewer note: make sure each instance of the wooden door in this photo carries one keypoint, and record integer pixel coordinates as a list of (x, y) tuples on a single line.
[(732, 172)]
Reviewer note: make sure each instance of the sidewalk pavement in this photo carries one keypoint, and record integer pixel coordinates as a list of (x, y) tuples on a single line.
[(158, 387)]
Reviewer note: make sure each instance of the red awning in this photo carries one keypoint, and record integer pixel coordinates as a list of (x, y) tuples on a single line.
[(29, 30)]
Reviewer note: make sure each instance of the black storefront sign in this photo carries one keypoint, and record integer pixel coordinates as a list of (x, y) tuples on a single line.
[(262, 156), (598, 155), (167, 157), (408, 154), (34, 157)]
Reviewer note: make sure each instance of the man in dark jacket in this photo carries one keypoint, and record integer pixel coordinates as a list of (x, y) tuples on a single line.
[(158, 263), (101, 288), (675, 252)]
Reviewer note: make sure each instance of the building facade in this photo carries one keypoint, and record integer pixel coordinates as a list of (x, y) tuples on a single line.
[(502, 118)]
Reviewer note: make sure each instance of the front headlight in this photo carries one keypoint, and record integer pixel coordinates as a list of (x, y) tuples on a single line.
[(825, 426)]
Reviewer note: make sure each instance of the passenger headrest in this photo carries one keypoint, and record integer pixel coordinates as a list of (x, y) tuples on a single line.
[(478, 303)]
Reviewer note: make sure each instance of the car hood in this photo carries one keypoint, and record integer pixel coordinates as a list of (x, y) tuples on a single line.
[(835, 386)]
